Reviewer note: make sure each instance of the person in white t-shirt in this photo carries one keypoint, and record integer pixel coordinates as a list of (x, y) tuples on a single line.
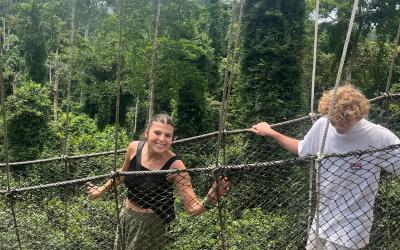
[(348, 186)]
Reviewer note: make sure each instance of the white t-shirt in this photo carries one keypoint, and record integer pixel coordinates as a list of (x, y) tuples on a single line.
[(349, 185)]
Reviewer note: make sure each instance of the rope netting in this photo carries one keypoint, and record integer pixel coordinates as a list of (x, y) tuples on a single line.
[(43, 203), (268, 205)]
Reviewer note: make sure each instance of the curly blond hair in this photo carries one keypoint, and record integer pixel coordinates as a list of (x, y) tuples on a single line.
[(351, 104)]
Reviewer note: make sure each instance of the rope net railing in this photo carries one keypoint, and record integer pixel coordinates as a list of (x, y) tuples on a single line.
[(268, 205), (379, 112)]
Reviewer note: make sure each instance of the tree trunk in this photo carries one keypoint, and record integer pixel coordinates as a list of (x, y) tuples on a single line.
[(50, 71), (153, 62), (14, 83), (55, 89), (87, 30), (136, 116), (81, 98), (14, 87), (354, 43), (4, 33)]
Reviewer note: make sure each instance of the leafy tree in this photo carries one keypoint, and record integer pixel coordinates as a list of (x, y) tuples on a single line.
[(182, 76), (272, 56), (190, 108), (28, 123), (33, 43), (216, 27)]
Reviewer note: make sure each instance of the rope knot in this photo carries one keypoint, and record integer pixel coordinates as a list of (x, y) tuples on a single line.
[(320, 156), (313, 116), (386, 94), (114, 174), (10, 192)]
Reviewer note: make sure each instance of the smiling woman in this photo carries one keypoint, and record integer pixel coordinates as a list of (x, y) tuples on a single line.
[(149, 205)]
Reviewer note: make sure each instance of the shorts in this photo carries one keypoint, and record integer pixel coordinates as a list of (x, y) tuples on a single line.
[(137, 231)]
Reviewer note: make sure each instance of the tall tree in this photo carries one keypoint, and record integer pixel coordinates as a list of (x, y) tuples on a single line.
[(217, 32), (28, 124), (216, 27), (34, 44), (272, 56), (191, 103)]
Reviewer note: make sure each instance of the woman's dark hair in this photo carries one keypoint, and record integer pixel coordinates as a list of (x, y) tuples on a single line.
[(163, 118)]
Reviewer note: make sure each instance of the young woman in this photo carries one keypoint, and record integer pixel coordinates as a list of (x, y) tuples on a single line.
[(149, 205)]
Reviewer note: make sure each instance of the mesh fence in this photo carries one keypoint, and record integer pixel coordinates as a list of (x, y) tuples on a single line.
[(269, 205)]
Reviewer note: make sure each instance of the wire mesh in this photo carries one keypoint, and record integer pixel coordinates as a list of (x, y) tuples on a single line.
[(267, 206), (61, 218), (348, 189)]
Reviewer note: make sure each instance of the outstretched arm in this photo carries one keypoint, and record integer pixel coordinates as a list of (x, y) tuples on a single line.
[(185, 190), (95, 192), (264, 129)]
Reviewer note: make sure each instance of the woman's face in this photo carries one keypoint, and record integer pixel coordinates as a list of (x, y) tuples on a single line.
[(159, 136)]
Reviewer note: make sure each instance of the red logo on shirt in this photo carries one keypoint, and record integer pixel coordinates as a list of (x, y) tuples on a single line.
[(356, 166)]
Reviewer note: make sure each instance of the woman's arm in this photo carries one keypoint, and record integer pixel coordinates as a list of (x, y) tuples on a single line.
[(95, 192), (185, 190)]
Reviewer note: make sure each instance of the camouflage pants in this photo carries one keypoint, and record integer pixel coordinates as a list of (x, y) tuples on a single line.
[(137, 231)]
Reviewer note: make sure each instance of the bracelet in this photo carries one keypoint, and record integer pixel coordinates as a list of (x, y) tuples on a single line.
[(107, 188), (206, 203)]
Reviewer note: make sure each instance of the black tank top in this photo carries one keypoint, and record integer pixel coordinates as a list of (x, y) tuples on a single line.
[(151, 190)]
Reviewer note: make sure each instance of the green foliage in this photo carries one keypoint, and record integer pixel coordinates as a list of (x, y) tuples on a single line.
[(45, 223), (216, 28), (190, 51), (196, 232), (85, 137), (259, 230), (190, 110), (13, 61), (33, 43), (254, 229), (182, 76), (28, 122), (371, 67), (385, 17), (272, 50)]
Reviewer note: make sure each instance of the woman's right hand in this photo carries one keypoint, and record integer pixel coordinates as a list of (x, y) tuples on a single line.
[(94, 192)]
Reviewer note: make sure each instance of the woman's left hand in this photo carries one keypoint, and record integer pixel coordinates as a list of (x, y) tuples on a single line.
[(219, 189)]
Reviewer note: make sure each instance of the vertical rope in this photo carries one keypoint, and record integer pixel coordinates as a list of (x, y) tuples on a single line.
[(394, 57), (6, 147), (55, 88), (387, 111), (153, 64), (12, 201), (222, 124), (329, 115), (314, 69), (311, 174), (66, 132), (4, 116), (386, 184), (136, 116), (233, 41), (339, 74), (117, 104)]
